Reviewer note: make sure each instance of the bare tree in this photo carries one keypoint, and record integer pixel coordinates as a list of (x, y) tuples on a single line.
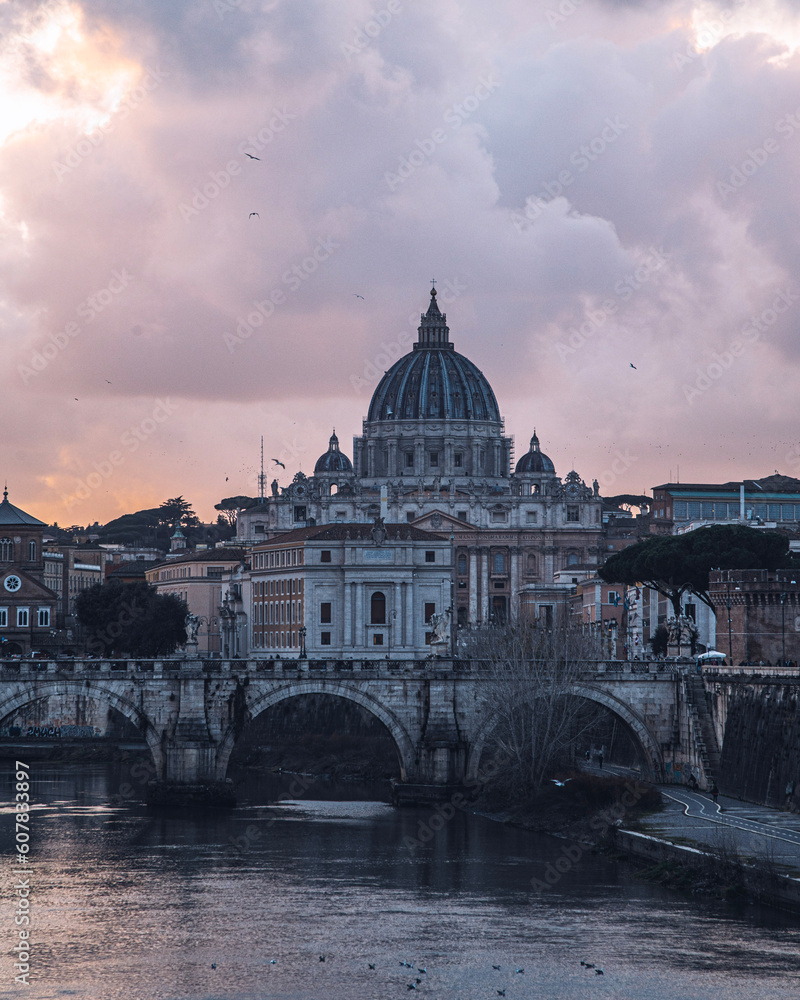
[(532, 678)]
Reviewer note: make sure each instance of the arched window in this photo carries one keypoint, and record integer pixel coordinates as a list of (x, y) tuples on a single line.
[(377, 608), (531, 565), (499, 562), (6, 550), (32, 551), (572, 559), (462, 565)]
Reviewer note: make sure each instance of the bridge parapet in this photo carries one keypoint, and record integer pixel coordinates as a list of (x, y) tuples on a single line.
[(289, 668)]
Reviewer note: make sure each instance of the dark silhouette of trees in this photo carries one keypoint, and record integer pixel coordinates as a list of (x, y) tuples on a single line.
[(675, 565), (131, 619), (537, 717)]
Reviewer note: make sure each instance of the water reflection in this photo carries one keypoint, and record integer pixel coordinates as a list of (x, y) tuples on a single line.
[(129, 904)]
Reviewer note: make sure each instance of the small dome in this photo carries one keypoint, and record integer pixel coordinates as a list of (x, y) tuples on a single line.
[(333, 460), (535, 461)]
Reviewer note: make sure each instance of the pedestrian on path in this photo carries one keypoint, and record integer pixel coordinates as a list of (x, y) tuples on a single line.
[(600, 759), (714, 791)]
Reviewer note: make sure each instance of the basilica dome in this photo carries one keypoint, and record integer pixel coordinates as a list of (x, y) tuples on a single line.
[(433, 381), (535, 461), (333, 460)]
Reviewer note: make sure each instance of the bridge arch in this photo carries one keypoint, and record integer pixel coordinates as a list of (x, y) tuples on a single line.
[(650, 746), (24, 695), (265, 700)]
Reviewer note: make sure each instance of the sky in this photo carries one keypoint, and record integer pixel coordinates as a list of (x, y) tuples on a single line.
[(219, 219)]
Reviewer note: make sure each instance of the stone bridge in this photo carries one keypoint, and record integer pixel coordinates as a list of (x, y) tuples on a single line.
[(192, 712)]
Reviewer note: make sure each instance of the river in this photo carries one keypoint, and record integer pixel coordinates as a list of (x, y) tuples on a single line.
[(129, 905)]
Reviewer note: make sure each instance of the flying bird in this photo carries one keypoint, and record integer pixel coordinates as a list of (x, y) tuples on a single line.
[(560, 784), (598, 972), (226, 479), (633, 366), (359, 296), (273, 961), (371, 965), (76, 399), (110, 383), (250, 216), (322, 958), (252, 157), (213, 965), (496, 967), (275, 460), (520, 970)]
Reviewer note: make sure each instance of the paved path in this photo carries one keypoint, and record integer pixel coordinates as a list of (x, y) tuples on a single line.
[(754, 831)]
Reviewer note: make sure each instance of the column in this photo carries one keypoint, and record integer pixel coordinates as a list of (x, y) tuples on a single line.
[(370, 459), (484, 605), (473, 585), (396, 617), (356, 617), (361, 598), (419, 457), (513, 599), (347, 614)]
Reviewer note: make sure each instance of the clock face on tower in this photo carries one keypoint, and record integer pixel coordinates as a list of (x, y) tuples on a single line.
[(12, 584)]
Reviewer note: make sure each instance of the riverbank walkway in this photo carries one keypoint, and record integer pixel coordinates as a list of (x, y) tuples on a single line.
[(753, 831), (692, 819)]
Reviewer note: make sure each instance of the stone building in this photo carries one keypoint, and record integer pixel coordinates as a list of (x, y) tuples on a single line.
[(28, 606), (433, 452), (195, 577), (344, 590), (758, 614)]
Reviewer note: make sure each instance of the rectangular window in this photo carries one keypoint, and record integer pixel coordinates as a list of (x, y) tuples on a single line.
[(461, 515), (299, 513), (774, 512), (22, 617), (434, 459), (708, 509), (325, 613), (430, 610), (546, 613), (428, 638), (430, 556), (693, 509), (498, 517), (324, 638), (409, 459), (3, 617), (690, 610), (44, 617), (573, 514), (410, 515), (377, 639), (458, 460), (679, 511), (531, 516), (325, 555), (787, 512)]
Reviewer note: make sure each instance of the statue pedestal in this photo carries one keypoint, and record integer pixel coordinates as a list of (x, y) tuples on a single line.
[(191, 650)]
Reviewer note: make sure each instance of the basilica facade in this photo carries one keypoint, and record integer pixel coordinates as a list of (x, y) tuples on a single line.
[(433, 453)]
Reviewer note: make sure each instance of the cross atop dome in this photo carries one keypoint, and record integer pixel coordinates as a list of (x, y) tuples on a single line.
[(433, 329)]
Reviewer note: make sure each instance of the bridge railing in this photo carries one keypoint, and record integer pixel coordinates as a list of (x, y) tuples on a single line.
[(294, 667)]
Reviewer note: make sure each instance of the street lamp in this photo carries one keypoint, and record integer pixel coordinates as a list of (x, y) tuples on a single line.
[(303, 631)]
